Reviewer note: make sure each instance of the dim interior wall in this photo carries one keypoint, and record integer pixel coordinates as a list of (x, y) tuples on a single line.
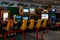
[(28, 3), (13, 10)]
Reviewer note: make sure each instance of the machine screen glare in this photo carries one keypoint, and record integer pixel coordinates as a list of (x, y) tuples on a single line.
[(18, 18), (25, 18), (5, 16), (44, 16), (32, 10), (25, 10), (53, 9)]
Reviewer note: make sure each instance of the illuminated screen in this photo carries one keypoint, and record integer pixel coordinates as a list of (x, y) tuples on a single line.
[(44, 16), (25, 17), (52, 16), (53, 9), (5, 16), (32, 10), (18, 18), (25, 10)]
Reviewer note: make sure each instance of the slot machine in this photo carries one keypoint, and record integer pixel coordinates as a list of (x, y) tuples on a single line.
[(4, 20), (38, 18), (44, 18), (52, 18), (32, 18), (5, 17), (31, 25), (38, 21), (24, 23), (13, 25), (31, 21), (53, 15), (17, 21), (25, 18)]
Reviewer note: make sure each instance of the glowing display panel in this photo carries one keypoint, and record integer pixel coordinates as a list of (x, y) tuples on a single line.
[(18, 18), (52, 16), (25, 17), (5, 16), (44, 16), (25, 10), (32, 10), (52, 9)]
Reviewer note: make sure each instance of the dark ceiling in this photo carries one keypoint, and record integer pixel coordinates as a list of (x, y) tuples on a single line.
[(53, 2)]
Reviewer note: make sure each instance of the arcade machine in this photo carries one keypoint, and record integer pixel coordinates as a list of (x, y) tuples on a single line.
[(35, 22), (17, 21), (30, 26), (32, 12), (24, 24), (52, 18), (24, 13), (38, 25), (24, 18), (5, 17), (16, 24), (44, 18), (7, 23), (38, 18)]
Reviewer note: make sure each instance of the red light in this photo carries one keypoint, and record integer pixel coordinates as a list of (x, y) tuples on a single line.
[(57, 25)]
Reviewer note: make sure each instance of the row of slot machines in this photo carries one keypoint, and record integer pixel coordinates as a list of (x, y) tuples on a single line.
[(24, 15), (28, 20)]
